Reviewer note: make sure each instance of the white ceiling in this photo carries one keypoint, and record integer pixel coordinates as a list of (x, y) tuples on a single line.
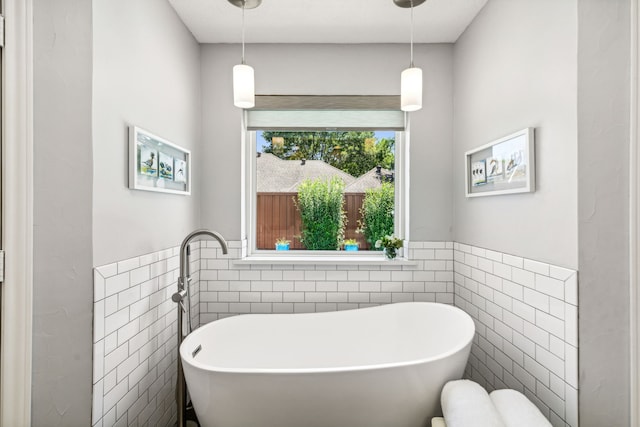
[(327, 21)]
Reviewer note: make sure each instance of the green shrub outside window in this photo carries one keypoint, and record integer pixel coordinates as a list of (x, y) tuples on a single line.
[(320, 203), (377, 213)]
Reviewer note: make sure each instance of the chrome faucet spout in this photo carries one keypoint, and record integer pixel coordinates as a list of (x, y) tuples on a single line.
[(184, 262), (185, 274)]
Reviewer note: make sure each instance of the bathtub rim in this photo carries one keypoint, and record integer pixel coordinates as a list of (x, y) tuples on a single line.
[(280, 371)]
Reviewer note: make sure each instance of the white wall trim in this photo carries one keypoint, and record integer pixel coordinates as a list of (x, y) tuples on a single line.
[(17, 171), (634, 217), (403, 223)]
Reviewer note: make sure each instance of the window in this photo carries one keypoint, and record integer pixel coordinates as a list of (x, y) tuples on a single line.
[(323, 179)]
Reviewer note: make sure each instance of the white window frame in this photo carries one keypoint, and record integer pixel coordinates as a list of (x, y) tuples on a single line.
[(249, 214)]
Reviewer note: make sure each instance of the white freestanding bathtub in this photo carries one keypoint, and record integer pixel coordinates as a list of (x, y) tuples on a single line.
[(376, 367)]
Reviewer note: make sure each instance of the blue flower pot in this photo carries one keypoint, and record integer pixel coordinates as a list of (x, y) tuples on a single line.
[(282, 246), (351, 247)]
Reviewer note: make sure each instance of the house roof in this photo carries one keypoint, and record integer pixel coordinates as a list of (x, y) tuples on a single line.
[(284, 176), (275, 175), (368, 180)]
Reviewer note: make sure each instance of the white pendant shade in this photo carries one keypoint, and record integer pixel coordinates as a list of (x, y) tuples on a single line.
[(243, 86), (411, 89)]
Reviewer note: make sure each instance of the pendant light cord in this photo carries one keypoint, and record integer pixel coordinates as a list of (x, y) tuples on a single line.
[(411, 33), (243, 31)]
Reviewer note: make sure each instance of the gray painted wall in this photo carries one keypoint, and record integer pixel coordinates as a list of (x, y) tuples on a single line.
[(62, 285), (146, 73), (603, 211), (329, 70), (571, 81), (511, 74)]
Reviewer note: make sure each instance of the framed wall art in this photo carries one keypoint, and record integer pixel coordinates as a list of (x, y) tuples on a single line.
[(504, 166), (156, 164)]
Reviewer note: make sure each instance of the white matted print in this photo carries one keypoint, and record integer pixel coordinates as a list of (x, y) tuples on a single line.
[(166, 166), (478, 173), (504, 166), (495, 168), (180, 171), (152, 163), (148, 165)]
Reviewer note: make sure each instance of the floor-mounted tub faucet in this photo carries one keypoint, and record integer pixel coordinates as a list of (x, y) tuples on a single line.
[(179, 297)]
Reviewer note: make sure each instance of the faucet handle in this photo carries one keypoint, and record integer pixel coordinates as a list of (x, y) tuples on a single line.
[(179, 296)]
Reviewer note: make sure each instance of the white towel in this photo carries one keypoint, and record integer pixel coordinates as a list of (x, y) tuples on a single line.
[(438, 422), (466, 404), (516, 410)]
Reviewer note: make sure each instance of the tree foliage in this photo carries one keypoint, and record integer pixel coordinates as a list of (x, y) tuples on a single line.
[(320, 203), (353, 152)]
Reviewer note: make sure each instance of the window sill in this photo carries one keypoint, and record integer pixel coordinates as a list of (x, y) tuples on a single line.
[(377, 260)]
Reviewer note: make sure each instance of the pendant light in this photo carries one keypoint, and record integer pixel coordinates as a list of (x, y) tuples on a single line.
[(243, 79), (411, 78)]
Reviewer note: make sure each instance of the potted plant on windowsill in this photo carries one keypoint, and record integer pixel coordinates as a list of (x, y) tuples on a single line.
[(391, 244), (282, 244), (351, 245)]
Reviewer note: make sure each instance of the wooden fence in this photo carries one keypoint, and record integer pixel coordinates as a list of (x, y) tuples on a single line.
[(278, 217)]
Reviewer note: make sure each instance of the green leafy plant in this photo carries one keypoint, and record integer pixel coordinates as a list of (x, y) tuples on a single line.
[(320, 203), (377, 213), (390, 244), (282, 241), (350, 242)]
